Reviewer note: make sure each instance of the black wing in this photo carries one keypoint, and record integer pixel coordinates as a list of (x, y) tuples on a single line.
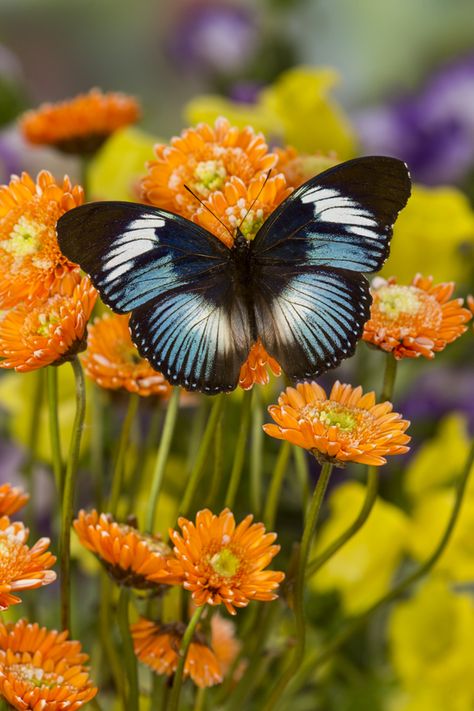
[(311, 299), (176, 279)]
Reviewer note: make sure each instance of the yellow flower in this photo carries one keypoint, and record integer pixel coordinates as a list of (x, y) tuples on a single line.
[(429, 233), (430, 639), (450, 446), (116, 169), (362, 570), (429, 520), (295, 109)]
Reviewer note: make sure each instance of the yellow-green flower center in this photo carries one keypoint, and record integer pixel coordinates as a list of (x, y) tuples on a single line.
[(24, 238), (338, 417), (46, 323), (393, 301), (209, 175), (35, 676), (225, 563)]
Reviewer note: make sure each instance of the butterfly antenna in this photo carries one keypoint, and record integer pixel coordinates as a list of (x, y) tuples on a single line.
[(206, 207), (255, 200)]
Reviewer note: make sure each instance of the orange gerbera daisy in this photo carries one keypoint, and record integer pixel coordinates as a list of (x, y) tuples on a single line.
[(12, 498), (37, 332), (113, 361), (415, 320), (157, 646), (299, 167), (255, 369), (132, 558), (224, 643), (21, 568), (224, 563), (80, 125), (42, 670), (204, 158), (30, 258), (241, 205), (347, 426)]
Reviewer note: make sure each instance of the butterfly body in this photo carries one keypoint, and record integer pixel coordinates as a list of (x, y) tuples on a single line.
[(197, 306)]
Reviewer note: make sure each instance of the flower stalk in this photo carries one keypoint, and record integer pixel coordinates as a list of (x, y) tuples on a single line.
[(183, 651), (68, 494)]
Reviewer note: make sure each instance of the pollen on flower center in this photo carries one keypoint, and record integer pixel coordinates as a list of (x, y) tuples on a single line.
[(341, 418), (209, 175), (393, 301), (45, 322), (24, 238), (248, 221), (35, 676), (225, 563)]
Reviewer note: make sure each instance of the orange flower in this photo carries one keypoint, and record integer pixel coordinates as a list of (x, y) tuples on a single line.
[(300, 167), (30, 259), (157, 646), (415, 320), (37, 332), (254, 370), (224, 563), (241, 205), (132, 558), (12, 498), (42, 670), (223, 642), (80, 125), (204, 159), (21, 568), (346, 427), (113, 361)]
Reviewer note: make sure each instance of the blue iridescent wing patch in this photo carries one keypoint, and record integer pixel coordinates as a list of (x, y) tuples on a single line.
[(342, 218), (310, 319), (175, 278), (311, 298)]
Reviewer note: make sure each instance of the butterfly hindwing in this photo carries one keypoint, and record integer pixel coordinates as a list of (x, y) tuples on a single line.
[(175, 278), (311, 318), (341, 218)]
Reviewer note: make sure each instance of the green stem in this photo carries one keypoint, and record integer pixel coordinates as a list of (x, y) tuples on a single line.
[(105, 624), (367, 506), (301, 466), (202, 455), (269, 514), (306, 541), (196, 431), (183, 651), (390, 374), (256, 455), (218, 462), (95, 704), (67, 510), (129, 657), (239, 454), (418, 573), (32, 446), (117, 479), (162, 457), (52, 384), (200, 699)]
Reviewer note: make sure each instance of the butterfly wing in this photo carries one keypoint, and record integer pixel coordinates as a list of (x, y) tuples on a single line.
[(311, 299), (177, 280)]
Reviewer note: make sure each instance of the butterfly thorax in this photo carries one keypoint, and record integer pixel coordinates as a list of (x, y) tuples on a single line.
[(243, 275)]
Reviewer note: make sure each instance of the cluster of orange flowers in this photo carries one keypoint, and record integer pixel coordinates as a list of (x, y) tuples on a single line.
[(218, 561), (38, 668)]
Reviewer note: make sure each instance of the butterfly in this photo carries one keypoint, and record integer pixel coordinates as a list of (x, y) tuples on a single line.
[(197, 307)]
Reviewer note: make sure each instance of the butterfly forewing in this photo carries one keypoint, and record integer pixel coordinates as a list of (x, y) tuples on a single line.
[(175, 277), (311, 299), (342, 218)]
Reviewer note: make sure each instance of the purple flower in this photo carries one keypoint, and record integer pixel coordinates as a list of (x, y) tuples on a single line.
[(214, 37), (438, 392), (433, 131)]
